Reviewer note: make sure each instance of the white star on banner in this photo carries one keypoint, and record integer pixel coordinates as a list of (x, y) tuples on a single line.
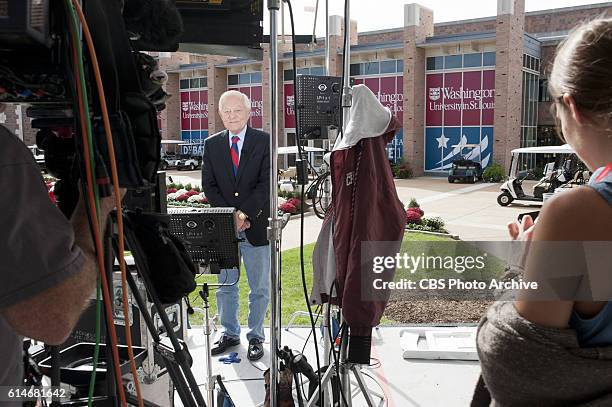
[(442, 141)]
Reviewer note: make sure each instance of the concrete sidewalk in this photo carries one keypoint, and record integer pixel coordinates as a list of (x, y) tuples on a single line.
[(469, 211)]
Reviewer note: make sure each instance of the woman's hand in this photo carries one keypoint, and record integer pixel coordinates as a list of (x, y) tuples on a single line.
[(522, 230)]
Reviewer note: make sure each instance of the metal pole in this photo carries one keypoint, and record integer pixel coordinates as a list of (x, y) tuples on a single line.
[(275, 224), (347, 99), (210, 381), (325, 201), (327, 47), (347, 95)]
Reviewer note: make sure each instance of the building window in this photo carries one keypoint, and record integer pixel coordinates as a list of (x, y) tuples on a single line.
[(488, 59), (472, 60), (184, 83), (203, 82), (232, 79), (435, 63), (194, 83), (400, 65), (318, 71), (388, 67), (371, 68), (452, 62), (544, 96), (244, 78), (315, 70), (255, 77)]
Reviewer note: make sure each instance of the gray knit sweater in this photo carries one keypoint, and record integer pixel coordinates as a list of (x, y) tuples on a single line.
[(524, 364)]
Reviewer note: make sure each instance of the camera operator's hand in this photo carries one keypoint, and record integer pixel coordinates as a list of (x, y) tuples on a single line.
[(107, 205)]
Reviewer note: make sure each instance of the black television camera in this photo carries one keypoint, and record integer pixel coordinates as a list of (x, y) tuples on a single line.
[(38, 67)]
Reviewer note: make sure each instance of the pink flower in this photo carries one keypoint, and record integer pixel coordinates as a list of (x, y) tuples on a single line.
[(295, 202), (413, 216), (183, 197), (288, 208), (192, 192), (171, 190), (417, 210), (52, 195)]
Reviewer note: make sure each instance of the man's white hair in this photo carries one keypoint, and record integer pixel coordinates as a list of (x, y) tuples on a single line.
[(244, 98)]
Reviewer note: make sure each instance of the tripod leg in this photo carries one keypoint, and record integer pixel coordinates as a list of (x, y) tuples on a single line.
[(329, 374), (178, 365), (362, 385)]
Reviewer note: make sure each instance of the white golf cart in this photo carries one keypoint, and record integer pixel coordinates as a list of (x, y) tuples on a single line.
[(512, 190)]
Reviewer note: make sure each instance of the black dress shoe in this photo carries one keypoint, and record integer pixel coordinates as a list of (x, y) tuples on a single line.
[(256, 350), (223, 344)]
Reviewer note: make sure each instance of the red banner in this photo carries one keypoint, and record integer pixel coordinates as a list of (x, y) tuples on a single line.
[(473, 96), (255, 95), (452, 98), (434, 98), (461, 98), (194, 110), (488, 111), (289, 106)]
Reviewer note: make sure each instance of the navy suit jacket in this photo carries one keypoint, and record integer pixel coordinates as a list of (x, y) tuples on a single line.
[(249, 190)]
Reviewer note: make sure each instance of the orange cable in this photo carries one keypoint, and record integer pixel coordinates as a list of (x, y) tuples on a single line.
[(96, 237), (117, 193)]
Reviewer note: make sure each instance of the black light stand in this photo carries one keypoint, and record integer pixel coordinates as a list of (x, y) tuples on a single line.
[(275, 224)]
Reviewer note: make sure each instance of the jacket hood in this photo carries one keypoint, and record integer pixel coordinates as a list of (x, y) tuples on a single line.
[(369, 118)]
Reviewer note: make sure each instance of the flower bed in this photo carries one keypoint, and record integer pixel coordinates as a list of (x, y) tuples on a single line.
[(179, 195), (416, 220)]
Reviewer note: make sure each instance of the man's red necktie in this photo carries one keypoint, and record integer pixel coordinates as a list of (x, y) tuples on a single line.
[(234, 153)]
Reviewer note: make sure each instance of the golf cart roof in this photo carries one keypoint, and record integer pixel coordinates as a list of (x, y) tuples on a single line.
[(172, 142), (294, 150), (564, 149)]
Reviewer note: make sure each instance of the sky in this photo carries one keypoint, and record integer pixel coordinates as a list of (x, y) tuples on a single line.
[(385, 14)]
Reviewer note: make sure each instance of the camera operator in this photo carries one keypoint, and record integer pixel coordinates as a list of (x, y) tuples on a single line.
[(47, 262)]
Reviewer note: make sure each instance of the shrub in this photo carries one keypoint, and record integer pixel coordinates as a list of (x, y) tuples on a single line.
[(288, 208), (493, 173), (188, 187), (413, 216), (437, 224), (413, 203), (403, 171), (416, 210), (295, 202)]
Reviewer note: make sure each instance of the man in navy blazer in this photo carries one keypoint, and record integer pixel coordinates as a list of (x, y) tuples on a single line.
[(236, 173)]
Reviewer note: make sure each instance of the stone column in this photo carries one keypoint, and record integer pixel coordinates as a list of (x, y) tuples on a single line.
[(508, 79), (418, 25), (217, 84)]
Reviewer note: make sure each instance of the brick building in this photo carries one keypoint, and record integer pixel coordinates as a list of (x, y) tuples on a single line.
[(480, 81)]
